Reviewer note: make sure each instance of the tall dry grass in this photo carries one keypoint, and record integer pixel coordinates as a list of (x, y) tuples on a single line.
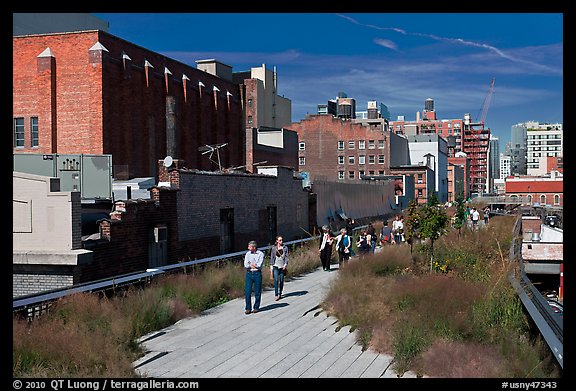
[(462, 320), (90, 335)]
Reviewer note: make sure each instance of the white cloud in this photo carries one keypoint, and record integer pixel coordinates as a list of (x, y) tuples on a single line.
[(386, 43)]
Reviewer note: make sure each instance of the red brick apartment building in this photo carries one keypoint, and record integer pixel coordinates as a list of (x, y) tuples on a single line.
[(93, 93), (338, 149)]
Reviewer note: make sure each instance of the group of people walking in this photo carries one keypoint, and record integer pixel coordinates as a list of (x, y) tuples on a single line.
[(278, 261)]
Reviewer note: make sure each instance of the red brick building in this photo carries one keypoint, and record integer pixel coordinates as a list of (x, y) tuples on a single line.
[(543, 190), (337, 149), (94, 93)]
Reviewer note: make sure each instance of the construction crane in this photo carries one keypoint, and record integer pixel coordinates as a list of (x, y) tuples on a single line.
[(486, 104)]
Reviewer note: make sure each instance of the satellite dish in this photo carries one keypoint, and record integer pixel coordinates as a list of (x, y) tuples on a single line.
[(168, 161)]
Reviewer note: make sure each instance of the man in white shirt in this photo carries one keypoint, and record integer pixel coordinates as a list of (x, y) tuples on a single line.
[(475, 218), (253, 264)]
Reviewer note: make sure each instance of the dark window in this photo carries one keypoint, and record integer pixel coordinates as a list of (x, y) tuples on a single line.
[(34, 131), (19, 132)]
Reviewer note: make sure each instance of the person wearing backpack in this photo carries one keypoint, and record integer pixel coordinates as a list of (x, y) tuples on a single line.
[(343, 244), (386, 234)]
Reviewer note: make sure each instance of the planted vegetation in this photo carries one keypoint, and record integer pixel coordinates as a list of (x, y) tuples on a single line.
[(460, 319)]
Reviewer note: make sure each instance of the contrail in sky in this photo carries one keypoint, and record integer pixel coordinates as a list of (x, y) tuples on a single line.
[(452, 40)]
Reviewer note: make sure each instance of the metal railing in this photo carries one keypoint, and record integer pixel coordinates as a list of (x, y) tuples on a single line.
[(549, 323), (36, 304)]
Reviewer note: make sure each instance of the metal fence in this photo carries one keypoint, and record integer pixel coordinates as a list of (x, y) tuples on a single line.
[(549, 323)]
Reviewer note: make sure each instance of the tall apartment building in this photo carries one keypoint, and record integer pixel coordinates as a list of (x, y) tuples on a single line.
[(505, 166), (517, 149), (531, 143), (493, 160), (543, 140)]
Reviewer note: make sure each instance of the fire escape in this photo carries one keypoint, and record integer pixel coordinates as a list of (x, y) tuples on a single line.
[(476, 142)]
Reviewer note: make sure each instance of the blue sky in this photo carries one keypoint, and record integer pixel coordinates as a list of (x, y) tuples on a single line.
[(399, 59)]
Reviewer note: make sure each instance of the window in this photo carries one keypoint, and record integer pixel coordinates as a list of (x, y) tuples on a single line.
[(362, 159), (556, 199), (340, 144), (249, 102), (350, 159), (351, 144), (361, 144), (419, 192), (380, 159), (360, 173), (340, 159), (530, 199), (302, 161), (380, 172), (543, 199), (371, 144), (419, 178), (371, 159), (249, 120), (34, 131), (371, 172), (18, 132), (514, 198), (302, 146), (380, 144), (340, 174), (350, 174)]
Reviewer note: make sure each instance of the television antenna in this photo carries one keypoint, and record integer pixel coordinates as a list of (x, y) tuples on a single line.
[(211, 149), (246, 165)]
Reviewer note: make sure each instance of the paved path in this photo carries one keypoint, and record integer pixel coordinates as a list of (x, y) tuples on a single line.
[(291, 337)]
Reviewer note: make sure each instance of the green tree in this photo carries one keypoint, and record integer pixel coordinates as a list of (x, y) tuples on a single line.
[(411, 223), (460, 216), (433, 221)]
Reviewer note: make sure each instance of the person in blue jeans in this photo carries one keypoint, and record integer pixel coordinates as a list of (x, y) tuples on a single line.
[(253, 264), (278, 264)]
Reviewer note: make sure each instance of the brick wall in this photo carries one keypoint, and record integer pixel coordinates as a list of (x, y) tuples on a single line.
[(28, 284), (321, 134), (191, 211), (203, 195), (126, 236), (94, 102)]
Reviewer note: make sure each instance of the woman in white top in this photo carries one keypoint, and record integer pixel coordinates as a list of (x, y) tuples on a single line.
[(398, 229)]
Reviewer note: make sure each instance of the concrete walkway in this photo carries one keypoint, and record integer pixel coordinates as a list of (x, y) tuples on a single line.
[(290, 338)]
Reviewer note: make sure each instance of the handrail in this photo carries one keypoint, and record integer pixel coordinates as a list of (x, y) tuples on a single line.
[(549, 323), (23, 302)]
